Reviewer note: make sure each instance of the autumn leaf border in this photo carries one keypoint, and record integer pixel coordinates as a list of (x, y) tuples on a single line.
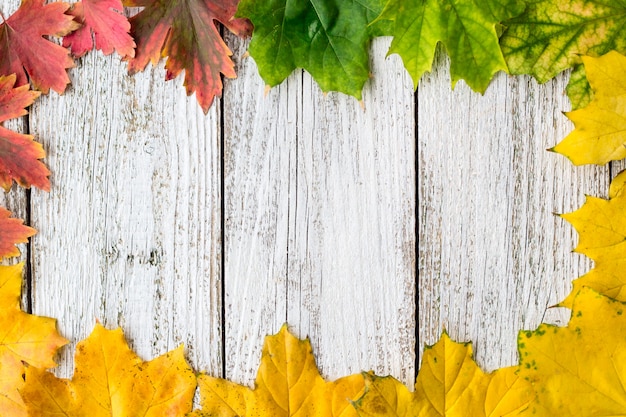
[(361, 403)]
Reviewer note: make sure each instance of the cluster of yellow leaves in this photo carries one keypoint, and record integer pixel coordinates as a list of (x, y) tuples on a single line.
[(449, 384), (557, 366), (25, 341), (602, 230), (287, 384), (111, 380)]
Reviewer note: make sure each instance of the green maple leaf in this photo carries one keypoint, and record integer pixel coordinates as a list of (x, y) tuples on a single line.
[(328, 39), (552, 35), (467, 28)]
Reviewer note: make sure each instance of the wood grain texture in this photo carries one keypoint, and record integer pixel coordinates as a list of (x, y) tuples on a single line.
[(492, 255), (353, 227), (320, 225), (130, 232)]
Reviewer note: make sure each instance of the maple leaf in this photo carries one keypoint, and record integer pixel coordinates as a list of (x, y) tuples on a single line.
[(551, 36), (467, 29), (24, 338), (602, 229), (578, 370), (329, 39), (600, 133), (449, 384), (12, 231), (185, 32), (111, 380), (19, 154), (24, 50), (287, 384), (103, 24)]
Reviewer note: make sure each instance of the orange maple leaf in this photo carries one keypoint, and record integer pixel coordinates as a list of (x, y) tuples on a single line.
[(185, 32), (24, 50), (108, 27), (12, 231), (19, 154), (111, 380), (24, 339)]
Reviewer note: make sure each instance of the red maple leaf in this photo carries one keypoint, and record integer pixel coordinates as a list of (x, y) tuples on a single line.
[(185, 31), (109, 28), (24, 50), (12, 231), (19, 154)]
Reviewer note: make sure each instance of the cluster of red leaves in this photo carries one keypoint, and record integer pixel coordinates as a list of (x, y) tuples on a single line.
[(19, 161), (184, 31)]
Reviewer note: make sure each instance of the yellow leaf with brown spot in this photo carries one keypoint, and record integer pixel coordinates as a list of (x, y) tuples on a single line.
[(24, 339), (111, 380), (288, 384), (449, 384), (600, 127), (601, 228)]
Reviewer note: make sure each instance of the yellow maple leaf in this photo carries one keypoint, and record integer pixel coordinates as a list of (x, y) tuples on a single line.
[(601, 226), (287, 384), (600, 128), (449, 384), (111, 380), (578, 370), (24, 339)]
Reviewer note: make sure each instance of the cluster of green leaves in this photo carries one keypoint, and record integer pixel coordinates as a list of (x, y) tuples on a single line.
[(330, 39)]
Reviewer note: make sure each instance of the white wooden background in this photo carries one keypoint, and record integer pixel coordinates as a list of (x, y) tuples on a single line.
[(368, 228)]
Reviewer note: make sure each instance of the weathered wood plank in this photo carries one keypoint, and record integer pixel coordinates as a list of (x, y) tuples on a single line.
[(492, 256), (352, 278), (130, 233), (259, 147), (320, 220)]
